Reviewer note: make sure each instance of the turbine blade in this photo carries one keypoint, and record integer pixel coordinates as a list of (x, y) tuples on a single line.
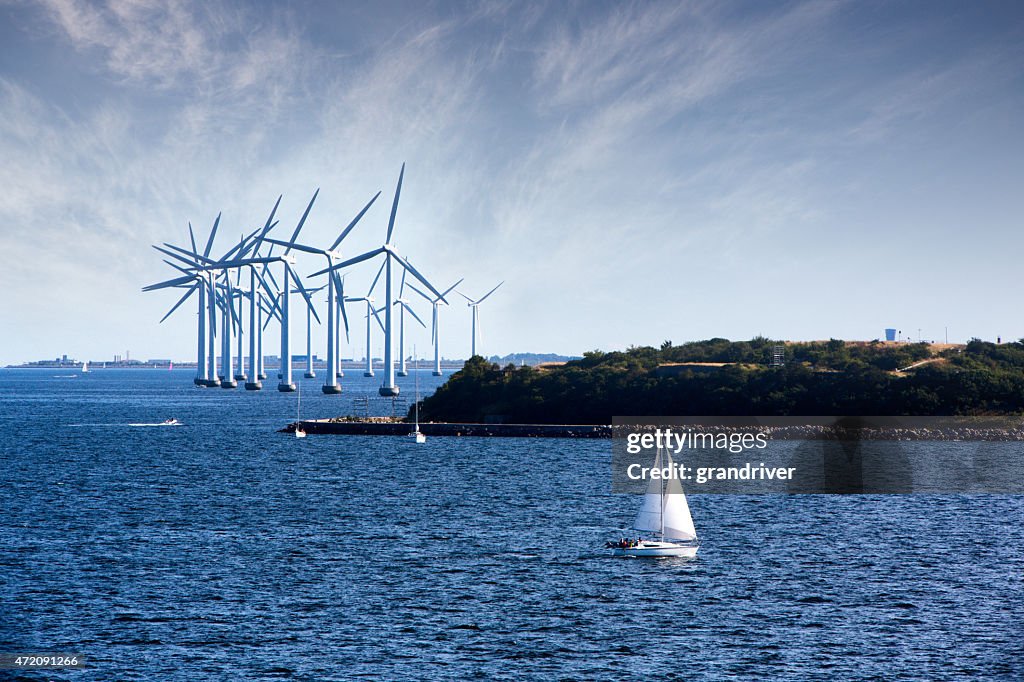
[(353, 223), (302, 221), (471, 301), (305, 294), (270, 218), (213, 233), (180, 301), (293, 245), (192, 259), (339, 284), (177, 281), (270, 273), (192, 237), (378, 318), (413, 313), (490, 292), (187, 261), (351, 261), (226, 265), (449, 289), (416, 289), (376, 279), (179, 268), (415, 273), (394, 205)]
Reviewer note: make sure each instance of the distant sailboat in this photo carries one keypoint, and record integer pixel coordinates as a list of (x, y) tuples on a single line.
[(170, 366), (85, 366), (420, 437), (299, 431), (665, 512)]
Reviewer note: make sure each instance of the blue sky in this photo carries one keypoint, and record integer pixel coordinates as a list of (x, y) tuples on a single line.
[(634, 171)]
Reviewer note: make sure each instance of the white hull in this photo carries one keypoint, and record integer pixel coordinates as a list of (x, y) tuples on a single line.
[(299, 433), (420, 438), (649, 548)]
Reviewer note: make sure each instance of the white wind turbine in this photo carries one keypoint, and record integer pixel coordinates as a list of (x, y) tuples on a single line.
[(388, 389), (196, 279), (475, 305), (434, 332), (370, 312), (333, 330)]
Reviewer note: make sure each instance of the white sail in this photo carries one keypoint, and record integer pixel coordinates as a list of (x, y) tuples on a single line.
[(664, 509), (85, 366)]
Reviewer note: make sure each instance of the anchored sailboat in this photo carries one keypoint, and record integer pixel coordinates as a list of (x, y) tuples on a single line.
[(85, 366), (420, 437), (299, 431), (665, 513)]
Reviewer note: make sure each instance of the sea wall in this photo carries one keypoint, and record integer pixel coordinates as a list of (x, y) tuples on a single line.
[(382, 428)]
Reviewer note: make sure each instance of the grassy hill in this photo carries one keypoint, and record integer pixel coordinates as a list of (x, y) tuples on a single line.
[(722, 377)]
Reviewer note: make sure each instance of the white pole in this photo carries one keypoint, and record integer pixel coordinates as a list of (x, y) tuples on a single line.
[(369, 359), (402, 371), (389, 388), (211, 339), (437, 345), (309, 343), (254, 365), (241, 355), (286, 350), (201, 368), (474, 331), (332, 375)]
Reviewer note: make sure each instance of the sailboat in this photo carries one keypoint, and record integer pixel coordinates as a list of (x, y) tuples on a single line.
[(85, 366), (419, 436), (664, 512), (299, 431)]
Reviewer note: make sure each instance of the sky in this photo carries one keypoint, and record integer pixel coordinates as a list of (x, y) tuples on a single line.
[(633, 172)]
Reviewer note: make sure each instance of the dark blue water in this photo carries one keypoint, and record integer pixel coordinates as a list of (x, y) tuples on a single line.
[(223, 550)]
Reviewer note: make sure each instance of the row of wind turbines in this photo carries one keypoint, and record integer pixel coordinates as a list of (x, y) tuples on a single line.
[(220, 286)]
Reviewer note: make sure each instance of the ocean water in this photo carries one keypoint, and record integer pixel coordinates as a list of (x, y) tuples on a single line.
[(223, 550)]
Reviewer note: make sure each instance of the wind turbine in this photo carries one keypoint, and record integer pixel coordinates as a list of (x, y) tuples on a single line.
[(333, 361), (476, 312), (388, 389), (434, 336), (370, 312), (195, 280), (287, 262), (310, 374), (286, 384)]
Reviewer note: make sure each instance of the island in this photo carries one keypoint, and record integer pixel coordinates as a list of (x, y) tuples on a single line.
[(740, 378)]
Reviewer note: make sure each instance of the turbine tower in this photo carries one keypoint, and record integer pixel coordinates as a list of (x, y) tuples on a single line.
[(475, 305)]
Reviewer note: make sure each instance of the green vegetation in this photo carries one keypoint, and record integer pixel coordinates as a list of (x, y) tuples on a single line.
[(819, 378)]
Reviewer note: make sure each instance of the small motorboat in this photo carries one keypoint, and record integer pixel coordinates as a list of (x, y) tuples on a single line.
[(170, 422)]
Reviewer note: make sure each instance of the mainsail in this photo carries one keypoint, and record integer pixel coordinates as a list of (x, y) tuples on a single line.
[(664, 509)]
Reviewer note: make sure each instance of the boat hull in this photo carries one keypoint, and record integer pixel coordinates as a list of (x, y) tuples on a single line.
[(658, 549)]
